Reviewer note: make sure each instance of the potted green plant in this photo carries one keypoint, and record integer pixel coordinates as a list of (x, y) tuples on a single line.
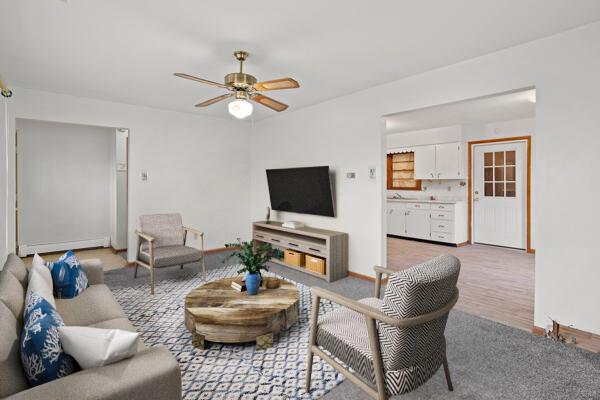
[(254, 258)]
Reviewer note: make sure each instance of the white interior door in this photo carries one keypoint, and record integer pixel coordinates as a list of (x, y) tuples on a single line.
[(499, 196)]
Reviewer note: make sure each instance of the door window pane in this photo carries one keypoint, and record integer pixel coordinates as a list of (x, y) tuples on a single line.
[(499, 174), (488, 159), (511, 157), (489, 189), (489, 174), (499, 158), (511, 173), (511, 189), (499, 189)]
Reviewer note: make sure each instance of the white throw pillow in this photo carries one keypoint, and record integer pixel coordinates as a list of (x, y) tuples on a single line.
[(38, 261), (95, 347), (40, 281)]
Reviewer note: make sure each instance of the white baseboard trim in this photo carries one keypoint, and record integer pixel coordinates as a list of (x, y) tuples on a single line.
[(27, 249)]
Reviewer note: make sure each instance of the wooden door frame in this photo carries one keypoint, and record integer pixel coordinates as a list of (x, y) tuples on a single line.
[(527, 139)]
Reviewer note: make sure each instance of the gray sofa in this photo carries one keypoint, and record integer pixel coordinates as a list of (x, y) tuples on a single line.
[(152, 373)]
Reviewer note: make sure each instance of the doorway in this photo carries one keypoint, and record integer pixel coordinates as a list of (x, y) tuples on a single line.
[(499, 192), (70, 187), (487, 143)]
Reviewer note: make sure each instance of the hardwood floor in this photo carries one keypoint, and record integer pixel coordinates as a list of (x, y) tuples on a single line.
[(495, 283)]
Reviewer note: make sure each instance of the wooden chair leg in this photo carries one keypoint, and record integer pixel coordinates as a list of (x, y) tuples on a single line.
[(181, 266), (152, 280), (309, 368), (314, 319), (135, 272), (447, 373), (377, 361)]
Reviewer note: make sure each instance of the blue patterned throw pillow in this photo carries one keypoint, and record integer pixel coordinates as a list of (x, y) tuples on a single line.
[(42, 355), (68, 277)]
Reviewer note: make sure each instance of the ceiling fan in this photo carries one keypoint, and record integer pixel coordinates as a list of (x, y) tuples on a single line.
[(244, 87)]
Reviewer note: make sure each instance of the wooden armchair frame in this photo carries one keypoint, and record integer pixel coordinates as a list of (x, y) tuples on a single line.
[(371, 316), (150, 239)]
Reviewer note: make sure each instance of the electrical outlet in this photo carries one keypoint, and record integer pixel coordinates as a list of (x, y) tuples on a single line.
[(350, 175)]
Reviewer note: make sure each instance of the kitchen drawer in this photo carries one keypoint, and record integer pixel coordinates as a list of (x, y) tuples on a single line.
[(442, 226), (417, 206), (443, 215), (444, 207), (442, 237)]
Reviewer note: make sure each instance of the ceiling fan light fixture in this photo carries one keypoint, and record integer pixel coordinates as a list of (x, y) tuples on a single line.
[(240, 108)]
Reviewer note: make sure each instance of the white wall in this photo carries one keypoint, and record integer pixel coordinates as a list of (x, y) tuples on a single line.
[(444, 134), (197, 165), (346, 133), (63, 182)]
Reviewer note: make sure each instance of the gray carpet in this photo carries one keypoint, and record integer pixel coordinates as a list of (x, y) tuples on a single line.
[(487, 360)]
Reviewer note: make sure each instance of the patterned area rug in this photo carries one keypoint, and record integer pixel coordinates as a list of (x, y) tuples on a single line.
[(225, 371)]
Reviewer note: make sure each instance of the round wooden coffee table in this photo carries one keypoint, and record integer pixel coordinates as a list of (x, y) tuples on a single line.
[(215, 312)]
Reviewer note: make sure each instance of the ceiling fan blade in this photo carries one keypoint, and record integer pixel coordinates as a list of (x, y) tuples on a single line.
[(269, 102), (194, 78), (277, 84), (214, 100)]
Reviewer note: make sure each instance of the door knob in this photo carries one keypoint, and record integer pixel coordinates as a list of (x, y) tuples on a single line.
[(476, 199), (476, 192)]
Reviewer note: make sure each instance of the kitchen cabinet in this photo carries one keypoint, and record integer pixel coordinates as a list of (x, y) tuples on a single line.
[(430, 220), (418, 224), (425, 162), (448, 160), (440, 161), (396, 219)]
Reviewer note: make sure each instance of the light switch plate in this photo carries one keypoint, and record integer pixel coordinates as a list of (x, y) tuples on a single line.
[(372, 173), (144, 176)]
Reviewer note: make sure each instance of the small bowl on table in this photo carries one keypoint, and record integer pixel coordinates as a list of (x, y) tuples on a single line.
[(271, 282)]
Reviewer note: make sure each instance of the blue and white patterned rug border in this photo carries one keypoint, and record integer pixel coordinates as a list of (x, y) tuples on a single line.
[(228, 371)]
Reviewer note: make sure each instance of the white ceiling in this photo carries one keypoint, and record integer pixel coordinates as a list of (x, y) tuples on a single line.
[(127, 51), (502, 107)]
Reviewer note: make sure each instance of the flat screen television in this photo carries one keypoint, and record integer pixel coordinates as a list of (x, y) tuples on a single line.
[(301, 190)]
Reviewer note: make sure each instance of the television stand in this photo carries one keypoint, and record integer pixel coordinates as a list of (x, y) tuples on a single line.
[(329, 245)]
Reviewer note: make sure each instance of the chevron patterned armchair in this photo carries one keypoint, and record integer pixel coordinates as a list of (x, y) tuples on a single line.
[(396, 344)]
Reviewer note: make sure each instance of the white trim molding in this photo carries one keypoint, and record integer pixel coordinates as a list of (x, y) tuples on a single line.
[(27, 249)]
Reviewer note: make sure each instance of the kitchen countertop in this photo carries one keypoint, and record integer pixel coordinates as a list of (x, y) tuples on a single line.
[(424, 201)]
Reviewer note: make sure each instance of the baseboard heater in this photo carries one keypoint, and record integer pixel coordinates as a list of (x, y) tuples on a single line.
[(27, 249)]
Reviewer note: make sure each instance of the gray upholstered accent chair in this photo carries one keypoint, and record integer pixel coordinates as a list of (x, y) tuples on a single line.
[(163, 244), (396, 344)]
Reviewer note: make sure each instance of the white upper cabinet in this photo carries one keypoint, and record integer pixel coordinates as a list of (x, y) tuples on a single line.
[(440, 161), (448, 161), (425, 162)]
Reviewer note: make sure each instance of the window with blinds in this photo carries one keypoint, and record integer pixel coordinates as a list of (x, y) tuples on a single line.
[(401, 172)]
